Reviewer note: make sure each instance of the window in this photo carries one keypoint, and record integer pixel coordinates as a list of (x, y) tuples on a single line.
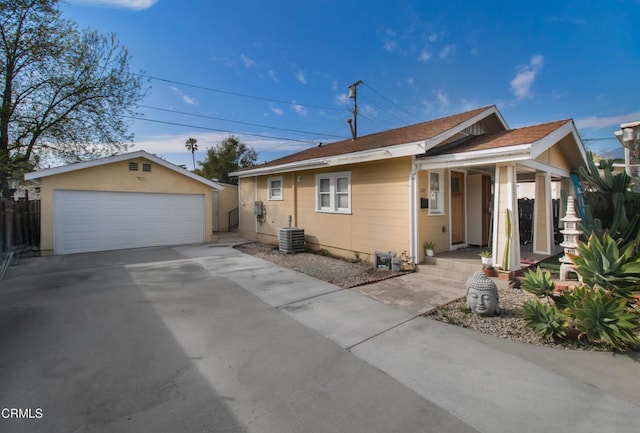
[(146, 167), (333, 192), (436, 196), (274, 186), (133, 166)]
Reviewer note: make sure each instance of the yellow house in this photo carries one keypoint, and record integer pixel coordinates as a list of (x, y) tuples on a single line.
[(448, 181), (130, 200)]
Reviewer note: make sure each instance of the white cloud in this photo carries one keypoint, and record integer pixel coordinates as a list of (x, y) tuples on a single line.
[(424, 55), (447, 51), (128, 4), (185, 98), (433, 37), (522, 82), (606, 122), (442, 96), (342, 98), (248, 63), (334, 85), (300, 76), (272, 74), (300, 110), (277, 111), (410, 81), (389, 45), (172, 149)]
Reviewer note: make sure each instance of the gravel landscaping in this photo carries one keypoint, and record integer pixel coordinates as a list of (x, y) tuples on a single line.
[(510, 324)]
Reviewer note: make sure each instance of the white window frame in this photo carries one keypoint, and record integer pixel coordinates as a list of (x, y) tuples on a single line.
[(436, 192), (333, 192), (270, 189)]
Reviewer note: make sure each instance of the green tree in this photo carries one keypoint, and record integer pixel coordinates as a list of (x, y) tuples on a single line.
[(222, 159), (67, 94), (192, 145)]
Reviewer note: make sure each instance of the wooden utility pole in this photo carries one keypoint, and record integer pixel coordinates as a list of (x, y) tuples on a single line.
[(353, 93)]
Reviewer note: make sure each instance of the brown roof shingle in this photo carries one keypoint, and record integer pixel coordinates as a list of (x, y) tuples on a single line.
[(406, 134), (495, 140)]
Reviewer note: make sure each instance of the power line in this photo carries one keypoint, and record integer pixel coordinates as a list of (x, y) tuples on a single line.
[(206, 128), (242, 95), (242, 123), (392, 103)]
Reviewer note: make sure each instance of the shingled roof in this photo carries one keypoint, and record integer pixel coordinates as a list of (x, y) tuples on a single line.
[(496, 140), (406, 134)]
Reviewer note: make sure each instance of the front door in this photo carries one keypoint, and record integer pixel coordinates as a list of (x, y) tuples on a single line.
[(457, 208)]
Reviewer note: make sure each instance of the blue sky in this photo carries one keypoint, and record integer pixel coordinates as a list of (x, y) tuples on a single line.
[(276, 73)]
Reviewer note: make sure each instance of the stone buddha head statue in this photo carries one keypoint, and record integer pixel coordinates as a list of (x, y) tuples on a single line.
[(482, 295)]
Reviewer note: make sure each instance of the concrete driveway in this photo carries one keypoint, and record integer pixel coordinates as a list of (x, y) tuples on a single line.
[(204, 338)]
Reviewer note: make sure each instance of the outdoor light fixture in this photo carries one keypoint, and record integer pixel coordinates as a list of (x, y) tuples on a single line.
[(12, 183)]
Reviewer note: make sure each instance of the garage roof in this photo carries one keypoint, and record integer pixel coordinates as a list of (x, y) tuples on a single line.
[(37, 175)]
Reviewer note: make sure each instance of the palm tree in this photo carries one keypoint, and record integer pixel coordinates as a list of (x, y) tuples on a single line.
[(192, 146)]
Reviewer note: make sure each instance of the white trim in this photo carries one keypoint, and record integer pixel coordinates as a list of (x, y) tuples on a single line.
[(413, 213), (546, 178), (333, 193), (380, 153), (37, 175), (540, 166), (440, 192), (270, 195)]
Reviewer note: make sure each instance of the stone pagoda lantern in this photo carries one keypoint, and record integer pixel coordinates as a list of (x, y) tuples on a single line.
[(570, 243)]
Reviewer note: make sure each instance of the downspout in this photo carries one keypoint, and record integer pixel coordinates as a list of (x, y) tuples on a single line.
[(255, 184), (295, 198), (413, 212)]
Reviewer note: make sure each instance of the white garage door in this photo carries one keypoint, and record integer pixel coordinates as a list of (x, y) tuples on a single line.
[(98, 221)]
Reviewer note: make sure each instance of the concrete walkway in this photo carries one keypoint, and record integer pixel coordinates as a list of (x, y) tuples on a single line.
[(468, 381)]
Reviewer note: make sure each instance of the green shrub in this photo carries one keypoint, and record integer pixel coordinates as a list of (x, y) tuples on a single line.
[(538, 283), (602, 317), (603, 264), (545, 320)]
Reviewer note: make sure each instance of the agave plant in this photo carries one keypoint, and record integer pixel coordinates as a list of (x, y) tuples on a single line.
[(604, 318), (538, 283), (603, 264), (546, 320)]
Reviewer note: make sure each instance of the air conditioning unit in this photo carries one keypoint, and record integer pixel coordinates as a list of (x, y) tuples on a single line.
[(291, 240)]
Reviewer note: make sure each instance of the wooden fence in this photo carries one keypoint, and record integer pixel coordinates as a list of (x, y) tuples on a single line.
[(20, 222)]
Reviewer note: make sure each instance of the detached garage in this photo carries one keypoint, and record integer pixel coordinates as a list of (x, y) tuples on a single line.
[(128, 201)]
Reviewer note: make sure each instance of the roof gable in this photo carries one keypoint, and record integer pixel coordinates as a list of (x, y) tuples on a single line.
[(522, 144), (419, 137), (36, 175)]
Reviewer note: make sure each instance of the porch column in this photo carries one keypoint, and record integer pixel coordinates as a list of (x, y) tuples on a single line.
[(543, 215), (505, 197)]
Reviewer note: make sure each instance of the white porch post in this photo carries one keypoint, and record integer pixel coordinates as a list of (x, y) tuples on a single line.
[(413, 214), (505, 197), (543, 215)]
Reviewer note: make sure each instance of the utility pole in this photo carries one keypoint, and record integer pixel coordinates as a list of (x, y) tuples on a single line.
[(353, 93)]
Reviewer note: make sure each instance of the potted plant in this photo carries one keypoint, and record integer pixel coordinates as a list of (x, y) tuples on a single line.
[(428, 248), (486, 257)]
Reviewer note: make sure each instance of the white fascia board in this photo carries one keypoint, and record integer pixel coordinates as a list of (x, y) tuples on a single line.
[(444, 136), (545, 143), (378, 154), (479, 157), (538, 147), (37, 175), (397, 151), (540, 166), (283, 168)]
